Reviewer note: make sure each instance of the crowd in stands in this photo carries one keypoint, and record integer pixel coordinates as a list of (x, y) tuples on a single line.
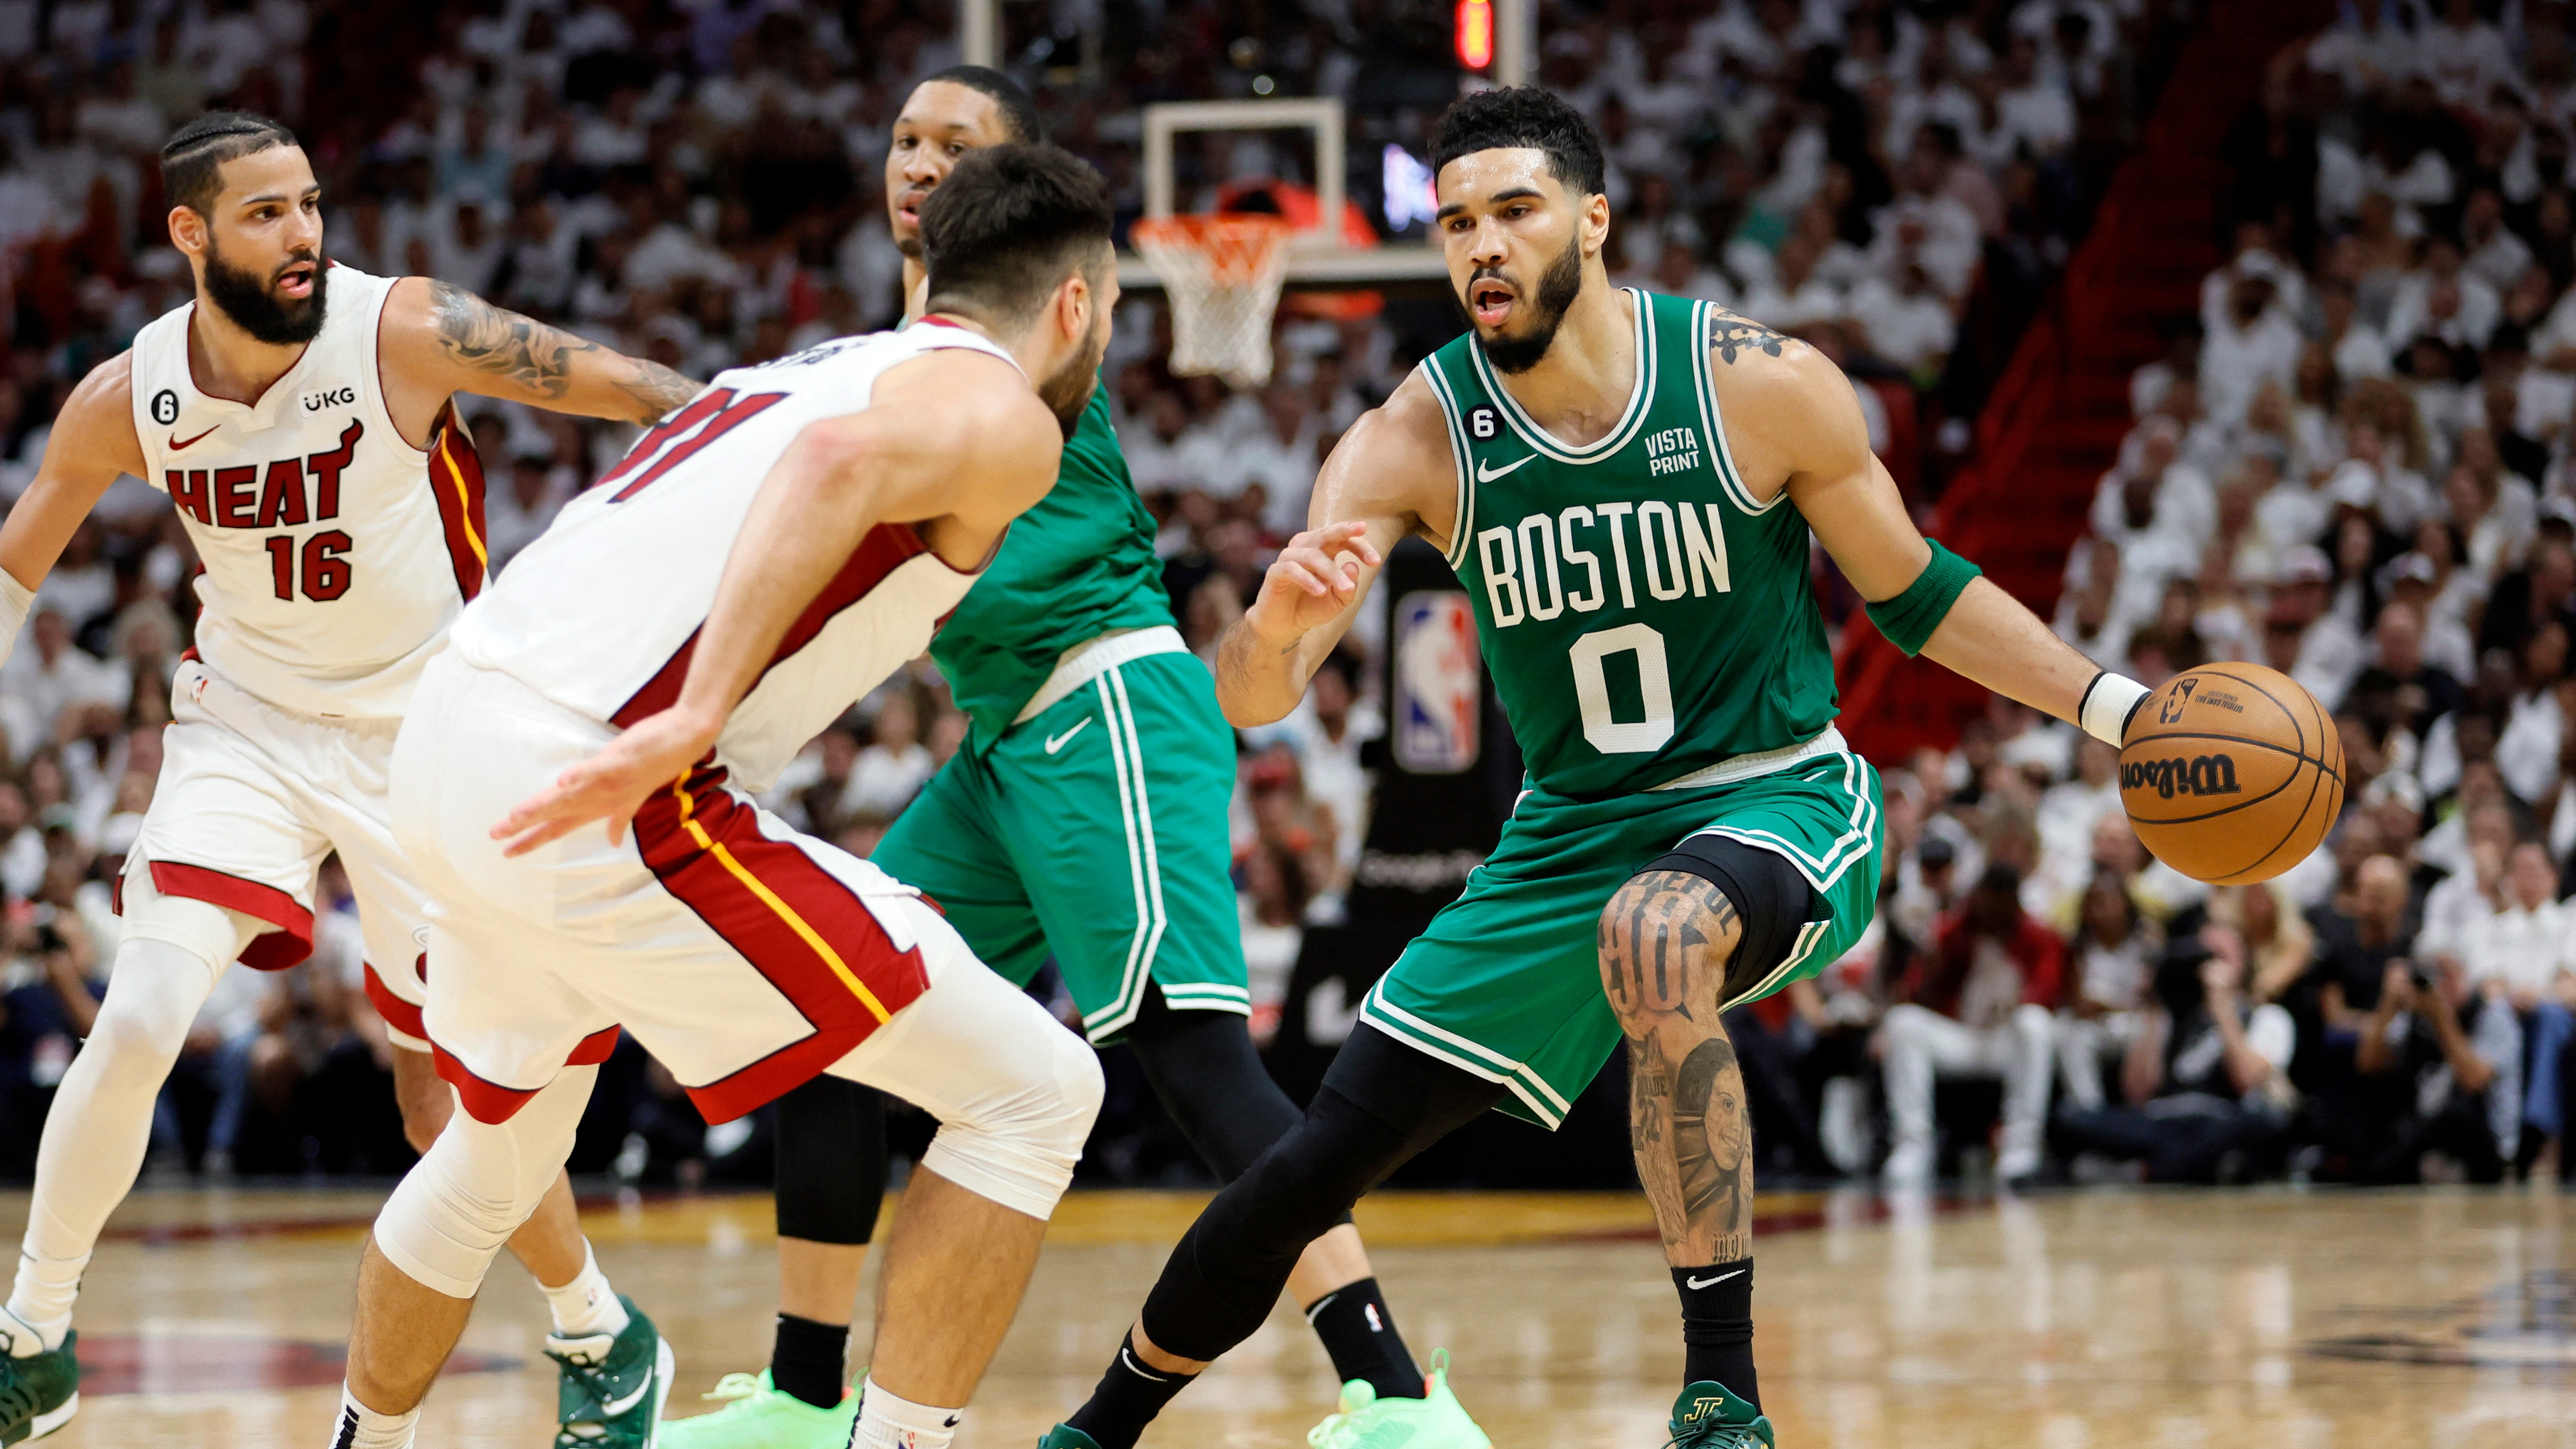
[(2353, 465)]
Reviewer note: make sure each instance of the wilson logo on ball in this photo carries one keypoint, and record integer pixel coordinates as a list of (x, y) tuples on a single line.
[(2199, 775)]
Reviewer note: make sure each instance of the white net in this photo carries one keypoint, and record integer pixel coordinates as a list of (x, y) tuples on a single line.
[(1223, 274)]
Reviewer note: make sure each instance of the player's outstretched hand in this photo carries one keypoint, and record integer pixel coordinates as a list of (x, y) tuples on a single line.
[(610, 785), (1312, 581)]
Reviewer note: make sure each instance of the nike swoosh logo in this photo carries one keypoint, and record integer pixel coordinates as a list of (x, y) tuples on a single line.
[(1057, 742), (1713, 1282), (1488, 475), (179, 447)]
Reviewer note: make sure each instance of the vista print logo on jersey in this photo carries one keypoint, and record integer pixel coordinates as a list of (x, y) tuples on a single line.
[(1674, 450), (1551, 562)]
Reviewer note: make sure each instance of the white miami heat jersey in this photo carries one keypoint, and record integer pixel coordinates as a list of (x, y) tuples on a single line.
[(601, 613), (335, 552)]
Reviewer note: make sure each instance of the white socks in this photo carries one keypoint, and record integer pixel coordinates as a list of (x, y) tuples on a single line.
[(40, 1306), (102, 1118), (586, 1306), (360, 1427), (26, 1339), (886, 1422)]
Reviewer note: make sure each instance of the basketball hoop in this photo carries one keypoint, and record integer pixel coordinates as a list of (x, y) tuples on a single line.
[(1223, 274)]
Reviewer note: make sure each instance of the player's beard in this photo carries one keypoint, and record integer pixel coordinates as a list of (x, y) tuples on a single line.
[(1557, 289), (255, 307), (1067, 390)]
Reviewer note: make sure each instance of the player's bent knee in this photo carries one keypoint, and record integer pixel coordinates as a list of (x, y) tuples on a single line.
[(1712, 922), (477, 1183), (152, 999), (1017, 1142)]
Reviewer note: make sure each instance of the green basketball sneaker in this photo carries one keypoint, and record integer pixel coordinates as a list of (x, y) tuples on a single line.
[(613, 1386), (38, 1393), (1434, 1421), (761, 1416), (1706, 1416), (1065, 1436)]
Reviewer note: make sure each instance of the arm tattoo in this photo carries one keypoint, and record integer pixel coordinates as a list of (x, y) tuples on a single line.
[(1666, 941), (1730, 333), (658, 388), (540, 360)]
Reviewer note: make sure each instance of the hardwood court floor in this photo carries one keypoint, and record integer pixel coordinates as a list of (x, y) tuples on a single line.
[(2097, 1320)]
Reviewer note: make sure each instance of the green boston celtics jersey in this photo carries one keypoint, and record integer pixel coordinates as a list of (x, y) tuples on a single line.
[(1643, 618), (1077, 565)]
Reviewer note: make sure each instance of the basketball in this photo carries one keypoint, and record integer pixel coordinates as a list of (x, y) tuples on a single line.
[(2232, 774)]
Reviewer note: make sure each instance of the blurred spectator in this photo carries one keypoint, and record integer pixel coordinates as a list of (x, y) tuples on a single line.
[(895, 764), (2205, 1087), (1977, 1006), (1273, 907), (2443, 1064), (1328, 732), (525, 503), (2101, 1020), (51, 675)]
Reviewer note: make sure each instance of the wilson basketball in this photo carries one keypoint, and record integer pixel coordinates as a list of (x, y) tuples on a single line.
[(2232, 774)]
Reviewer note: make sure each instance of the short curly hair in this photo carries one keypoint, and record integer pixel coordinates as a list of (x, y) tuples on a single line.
[(1514, 117)]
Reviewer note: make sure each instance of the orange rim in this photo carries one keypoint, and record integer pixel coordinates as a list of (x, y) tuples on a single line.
[(1238, 248)]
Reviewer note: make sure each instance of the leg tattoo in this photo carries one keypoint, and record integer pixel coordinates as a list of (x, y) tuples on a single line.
[(1665, 943)]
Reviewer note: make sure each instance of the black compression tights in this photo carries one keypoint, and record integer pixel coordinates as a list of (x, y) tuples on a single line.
[(1201, 1065), (831, 1153), (1382, 1103)]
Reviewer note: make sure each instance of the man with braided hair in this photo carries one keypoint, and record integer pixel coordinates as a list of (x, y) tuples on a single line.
[(300, 415)]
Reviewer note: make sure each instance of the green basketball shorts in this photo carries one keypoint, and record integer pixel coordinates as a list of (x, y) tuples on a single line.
[(1506, 983), (1094, 831)]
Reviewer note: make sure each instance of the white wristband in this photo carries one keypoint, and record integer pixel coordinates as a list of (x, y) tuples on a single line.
[(16, 599), (2107, 703)]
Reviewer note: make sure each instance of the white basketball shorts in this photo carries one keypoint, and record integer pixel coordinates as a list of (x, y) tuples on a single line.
[(745, 956), (250, 800)]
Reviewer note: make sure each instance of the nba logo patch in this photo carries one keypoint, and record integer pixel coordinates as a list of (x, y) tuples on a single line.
[(1438, 684)]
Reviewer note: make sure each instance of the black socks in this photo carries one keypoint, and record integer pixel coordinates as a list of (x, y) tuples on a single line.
[(1128, 1398), (806, 1360), (1717, 1326), (1359, 1333)]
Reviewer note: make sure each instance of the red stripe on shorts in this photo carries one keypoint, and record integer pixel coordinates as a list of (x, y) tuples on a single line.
[(399, 1014), (491, 1103), (276, 950), (797, 924)]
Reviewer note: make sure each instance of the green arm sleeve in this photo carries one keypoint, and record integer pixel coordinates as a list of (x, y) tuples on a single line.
[(1909, 619)]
